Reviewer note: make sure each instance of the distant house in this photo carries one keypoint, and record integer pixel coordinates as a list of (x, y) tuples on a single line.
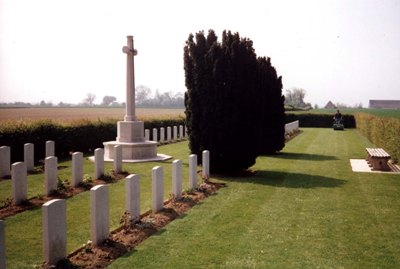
[(388, 104), (330, 105)]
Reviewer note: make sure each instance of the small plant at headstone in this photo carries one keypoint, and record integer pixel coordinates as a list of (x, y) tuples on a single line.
[(128, 221), (86, 182), (107, 178), (146, 224), (87, 179), (62, 185), (87, 248), (6, 203)]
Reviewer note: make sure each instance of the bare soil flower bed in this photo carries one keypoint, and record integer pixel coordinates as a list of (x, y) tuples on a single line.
[(10, 210), (131, 233)]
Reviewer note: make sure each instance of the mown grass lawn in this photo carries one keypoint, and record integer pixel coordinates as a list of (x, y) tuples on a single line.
[(24, 230), (303, 209)]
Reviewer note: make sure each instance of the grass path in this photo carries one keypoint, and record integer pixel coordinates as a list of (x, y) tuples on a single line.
[(303, 209)]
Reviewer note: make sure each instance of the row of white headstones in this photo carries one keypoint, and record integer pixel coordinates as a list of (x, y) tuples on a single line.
[(54, 211), (5, 151)]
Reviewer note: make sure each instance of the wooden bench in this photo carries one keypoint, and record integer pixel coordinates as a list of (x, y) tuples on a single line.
[(378, 159)]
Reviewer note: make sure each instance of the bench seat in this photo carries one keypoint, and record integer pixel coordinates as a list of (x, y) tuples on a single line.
[(378, 159)]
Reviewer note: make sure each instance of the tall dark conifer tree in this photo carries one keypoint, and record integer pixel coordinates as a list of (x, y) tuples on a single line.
[(230, 96)]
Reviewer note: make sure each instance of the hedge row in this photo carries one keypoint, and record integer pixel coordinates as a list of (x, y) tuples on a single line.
[(383, 132), (84, 136), (319, 120)]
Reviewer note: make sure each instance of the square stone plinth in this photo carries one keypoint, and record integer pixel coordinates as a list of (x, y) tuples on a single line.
[(134, 152), (130, 131)]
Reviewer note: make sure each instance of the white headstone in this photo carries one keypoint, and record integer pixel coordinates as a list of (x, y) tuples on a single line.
[(168, 134), (175, 128), (50, 148), (206, 164), (147, 134), (162, 134), (99, 212), (2, 245), (177, 178), (29, 156), (19, 182), (77, 168), (118, 158), (98, 163), (180, 131), (50, 174), (155, 138), (54, 224), (5, 161), (192, 171), (132, 186), (157, 189)]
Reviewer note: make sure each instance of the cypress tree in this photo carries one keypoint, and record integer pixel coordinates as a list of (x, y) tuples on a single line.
[(230, 95)]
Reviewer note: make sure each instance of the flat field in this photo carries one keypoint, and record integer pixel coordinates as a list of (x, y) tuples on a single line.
[(78, 113)]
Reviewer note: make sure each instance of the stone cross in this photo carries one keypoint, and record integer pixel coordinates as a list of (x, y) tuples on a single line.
[(130, 80)]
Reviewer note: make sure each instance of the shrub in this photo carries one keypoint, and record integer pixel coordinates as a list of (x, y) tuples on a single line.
[(234, 103), (83, 135), (319, 120), (383, 132)]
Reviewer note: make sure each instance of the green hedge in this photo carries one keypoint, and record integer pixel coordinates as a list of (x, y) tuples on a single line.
[(84, 136), (319, 120), (383, 132)]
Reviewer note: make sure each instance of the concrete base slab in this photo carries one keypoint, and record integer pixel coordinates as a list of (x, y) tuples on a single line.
[(158, 158), (361, 165)]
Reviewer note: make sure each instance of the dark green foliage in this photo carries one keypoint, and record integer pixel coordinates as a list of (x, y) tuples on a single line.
[(234, 102), (272, 110), (319, 120), (84, 136)]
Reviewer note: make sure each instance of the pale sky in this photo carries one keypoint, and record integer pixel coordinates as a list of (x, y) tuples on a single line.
[(345, 51)]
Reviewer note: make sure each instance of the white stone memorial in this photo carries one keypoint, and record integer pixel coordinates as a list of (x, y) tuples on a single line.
[(162, 134), (168, 134), (29, 156), (98, 163), (177, 178), (147, 134), (19, 183), (99, 214), (50, 148), (155, 138), (132, 186), (2, 245), (5, 161), (54, 224), (180, 131), (175, 128), (157, 188), (192, 171), (77, 168), (206, 164), (131, 131), (50, 175), (118, 159)]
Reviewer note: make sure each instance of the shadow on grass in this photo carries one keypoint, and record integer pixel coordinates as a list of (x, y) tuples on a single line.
[(289, 180), (303, 156)]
